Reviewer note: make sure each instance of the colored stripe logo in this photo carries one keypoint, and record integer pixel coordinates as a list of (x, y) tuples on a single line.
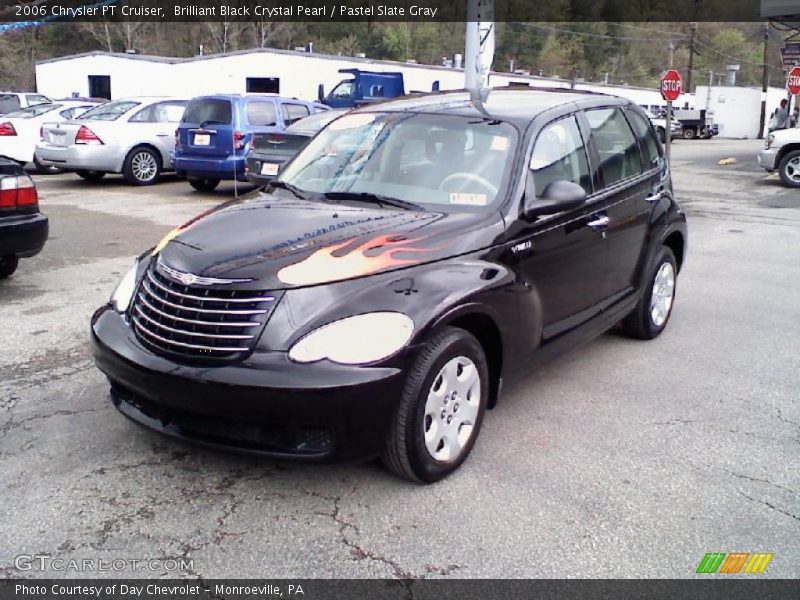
[(734, 562)]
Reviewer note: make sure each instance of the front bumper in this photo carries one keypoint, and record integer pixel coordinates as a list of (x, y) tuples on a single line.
[(23, 236), (80, 158), (767, 158), (210, 168), (264, 405)]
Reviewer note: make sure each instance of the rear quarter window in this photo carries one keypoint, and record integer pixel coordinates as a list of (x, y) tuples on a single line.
[(647, 138), (261, 114), (211, 111), (615, 144)]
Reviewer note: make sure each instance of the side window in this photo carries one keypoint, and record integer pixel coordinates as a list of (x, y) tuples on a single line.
[(559, 154), (615, 144), (344, 90), (647, 138), (67, 113), (168, 112), (294, 112), (34, 99), (261, 114), (143, 116)]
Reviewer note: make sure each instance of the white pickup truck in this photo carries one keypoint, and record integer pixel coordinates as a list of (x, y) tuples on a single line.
[(782, 154), (661, 128)]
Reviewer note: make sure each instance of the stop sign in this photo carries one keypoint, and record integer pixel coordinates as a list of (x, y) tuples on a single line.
[(671, 85), (793, 81)]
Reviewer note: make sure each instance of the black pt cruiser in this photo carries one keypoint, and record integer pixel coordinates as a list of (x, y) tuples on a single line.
[(413, 256)]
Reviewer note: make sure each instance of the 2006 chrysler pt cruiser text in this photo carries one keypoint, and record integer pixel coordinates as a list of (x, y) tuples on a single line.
[(416, 253)]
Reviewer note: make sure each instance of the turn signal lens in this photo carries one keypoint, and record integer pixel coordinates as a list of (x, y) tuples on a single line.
[(18, 192)]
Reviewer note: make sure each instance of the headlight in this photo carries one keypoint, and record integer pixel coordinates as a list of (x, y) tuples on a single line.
[(770, 139), (355, 340), (121, 298)]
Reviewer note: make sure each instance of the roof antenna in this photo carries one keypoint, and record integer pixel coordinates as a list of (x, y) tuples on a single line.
[(479, 49)]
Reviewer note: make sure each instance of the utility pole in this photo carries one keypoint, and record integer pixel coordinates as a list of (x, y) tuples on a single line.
[(668, 123), (692, 34), (764, 82)]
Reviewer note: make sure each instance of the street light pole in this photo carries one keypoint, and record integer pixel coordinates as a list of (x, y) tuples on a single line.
[(764, 82)]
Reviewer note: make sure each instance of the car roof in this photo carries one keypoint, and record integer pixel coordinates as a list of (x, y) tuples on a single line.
[(252, 95), (514, 104)]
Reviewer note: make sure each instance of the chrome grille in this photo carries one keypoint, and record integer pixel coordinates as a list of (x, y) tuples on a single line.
[(198, 322)]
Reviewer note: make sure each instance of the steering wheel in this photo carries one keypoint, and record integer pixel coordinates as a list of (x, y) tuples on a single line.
[(471, 177)]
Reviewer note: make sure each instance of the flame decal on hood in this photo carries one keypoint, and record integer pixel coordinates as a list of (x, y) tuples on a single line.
[(369, 257)]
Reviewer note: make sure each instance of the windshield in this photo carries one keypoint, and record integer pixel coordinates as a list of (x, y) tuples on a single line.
[(445, 160), (33, 111), (110, 111)]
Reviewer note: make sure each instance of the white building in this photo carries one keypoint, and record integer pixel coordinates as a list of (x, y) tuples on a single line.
[(737, 110), (286, 72)]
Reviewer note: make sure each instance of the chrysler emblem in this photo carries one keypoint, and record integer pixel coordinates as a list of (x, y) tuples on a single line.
[(192, 279)]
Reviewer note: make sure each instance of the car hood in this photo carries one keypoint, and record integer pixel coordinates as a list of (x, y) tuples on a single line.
[(784, 136), (279, 242)]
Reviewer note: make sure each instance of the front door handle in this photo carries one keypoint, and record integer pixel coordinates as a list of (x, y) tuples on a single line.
[(599, 222), (654, 197)]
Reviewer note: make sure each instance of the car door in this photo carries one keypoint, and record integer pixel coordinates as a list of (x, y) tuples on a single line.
[(562, 258), (155, 125), (625, 187)]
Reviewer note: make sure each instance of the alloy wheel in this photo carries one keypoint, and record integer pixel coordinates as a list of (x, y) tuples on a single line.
[(792, 169), (144, 166), (663, 294), (452, 409)]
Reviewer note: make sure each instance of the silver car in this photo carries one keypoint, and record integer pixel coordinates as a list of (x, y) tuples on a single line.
[(133, 136)]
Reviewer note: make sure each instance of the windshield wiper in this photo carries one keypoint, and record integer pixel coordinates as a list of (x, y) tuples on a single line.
[(374, 199), (277, 183)]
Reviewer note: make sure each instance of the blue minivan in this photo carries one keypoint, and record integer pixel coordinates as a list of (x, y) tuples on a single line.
[(211, 140)]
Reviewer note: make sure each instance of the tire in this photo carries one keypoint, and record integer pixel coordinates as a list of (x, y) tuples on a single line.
[(689, 133), (204, 184), (407, 453), (90, 175), (142, 166), (789, 169), (662, 135), (8, 264), (642, 322), (44, 170)]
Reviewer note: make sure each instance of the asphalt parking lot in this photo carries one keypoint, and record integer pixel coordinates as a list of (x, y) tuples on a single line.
[(620, 459)]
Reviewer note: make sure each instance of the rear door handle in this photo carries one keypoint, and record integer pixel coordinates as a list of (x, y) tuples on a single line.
[(598, 222), (654, 197)]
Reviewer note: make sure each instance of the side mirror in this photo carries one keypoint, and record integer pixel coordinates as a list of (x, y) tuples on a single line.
[(558, 196), (320, 92)]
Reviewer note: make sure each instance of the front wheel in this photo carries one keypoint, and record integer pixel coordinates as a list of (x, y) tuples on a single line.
[(654, 308), (90, 175), (142, 167), (8, 264), (204, 184), (789, 169), (441, 408)]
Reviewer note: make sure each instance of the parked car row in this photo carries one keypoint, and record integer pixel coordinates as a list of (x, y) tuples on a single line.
[(204, 139)]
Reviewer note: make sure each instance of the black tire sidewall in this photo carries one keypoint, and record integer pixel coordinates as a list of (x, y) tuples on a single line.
[(8, 265), (425, 467), (204, 184), (128, 168), (663, 255), (782, 168)]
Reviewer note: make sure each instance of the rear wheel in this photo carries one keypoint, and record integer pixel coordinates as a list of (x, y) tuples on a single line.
[(789, 169), (654, 308), (8, 264), (441, 408), (204, 184), (45, 170), (142, 167), (90, 175), (689, 133)]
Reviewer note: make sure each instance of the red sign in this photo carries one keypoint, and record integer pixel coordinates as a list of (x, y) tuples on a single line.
[(671, 85), (793, 81)]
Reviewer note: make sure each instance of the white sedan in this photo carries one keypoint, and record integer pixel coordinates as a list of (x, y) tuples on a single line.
[(132, 136), (20, 131)]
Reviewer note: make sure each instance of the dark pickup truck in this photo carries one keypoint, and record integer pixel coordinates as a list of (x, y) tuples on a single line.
[(23, 229)]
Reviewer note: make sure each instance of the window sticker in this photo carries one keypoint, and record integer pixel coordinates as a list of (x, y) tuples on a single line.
[(499, 143), (468, 199)]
